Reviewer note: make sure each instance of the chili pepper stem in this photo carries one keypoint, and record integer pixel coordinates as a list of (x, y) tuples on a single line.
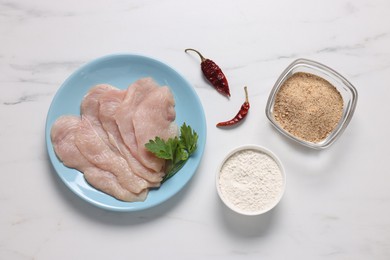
[(200, 55), (246, 95)]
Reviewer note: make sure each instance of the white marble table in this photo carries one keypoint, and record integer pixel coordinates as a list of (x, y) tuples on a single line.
[(337, 201)]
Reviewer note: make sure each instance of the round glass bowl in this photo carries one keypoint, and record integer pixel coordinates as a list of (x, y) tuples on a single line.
[(250, 180), (344, 87)]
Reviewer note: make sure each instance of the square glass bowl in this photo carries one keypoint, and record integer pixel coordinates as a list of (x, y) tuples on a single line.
[(345, 88)]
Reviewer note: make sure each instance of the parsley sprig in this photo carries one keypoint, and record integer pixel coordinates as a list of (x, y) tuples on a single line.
[(175, 150)]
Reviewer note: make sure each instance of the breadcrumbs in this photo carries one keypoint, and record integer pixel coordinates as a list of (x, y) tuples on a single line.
[(308, 107)]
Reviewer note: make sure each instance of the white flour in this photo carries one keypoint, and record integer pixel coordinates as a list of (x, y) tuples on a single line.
[(250, 180)]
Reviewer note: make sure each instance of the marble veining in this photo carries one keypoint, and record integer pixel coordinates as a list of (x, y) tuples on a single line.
[(336, 204), (44, 67), (27, 98)]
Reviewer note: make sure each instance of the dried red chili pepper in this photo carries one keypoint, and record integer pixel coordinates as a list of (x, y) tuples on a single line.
[(213, 74), (241, 114)]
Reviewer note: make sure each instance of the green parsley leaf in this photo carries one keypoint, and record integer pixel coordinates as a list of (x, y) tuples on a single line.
[(161, 149), (175, 150), (188, 138)]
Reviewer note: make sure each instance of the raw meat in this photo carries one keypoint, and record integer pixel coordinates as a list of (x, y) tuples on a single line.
[(153, 117), (90, 109), (107, 141), (136, 92), (108, 183), (109, 103), (137, 127), (63, 135), (97, 152)]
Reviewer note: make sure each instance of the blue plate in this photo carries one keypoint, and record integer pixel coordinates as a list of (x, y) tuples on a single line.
[(121, 70)]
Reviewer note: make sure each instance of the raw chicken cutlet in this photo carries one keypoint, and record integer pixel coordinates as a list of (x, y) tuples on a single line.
[(99, 153), (98, 108), (109, 103), (63, 134), (107, 141), (147, 111)]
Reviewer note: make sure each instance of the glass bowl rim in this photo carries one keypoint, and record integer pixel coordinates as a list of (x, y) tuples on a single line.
[(321, 69)]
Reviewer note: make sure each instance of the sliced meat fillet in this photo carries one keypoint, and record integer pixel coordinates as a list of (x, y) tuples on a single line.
[(63, 134), (97, 152), (62, 137), (153, 117), (109, 103), (108, 183), (135, 94), (90, 109)]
